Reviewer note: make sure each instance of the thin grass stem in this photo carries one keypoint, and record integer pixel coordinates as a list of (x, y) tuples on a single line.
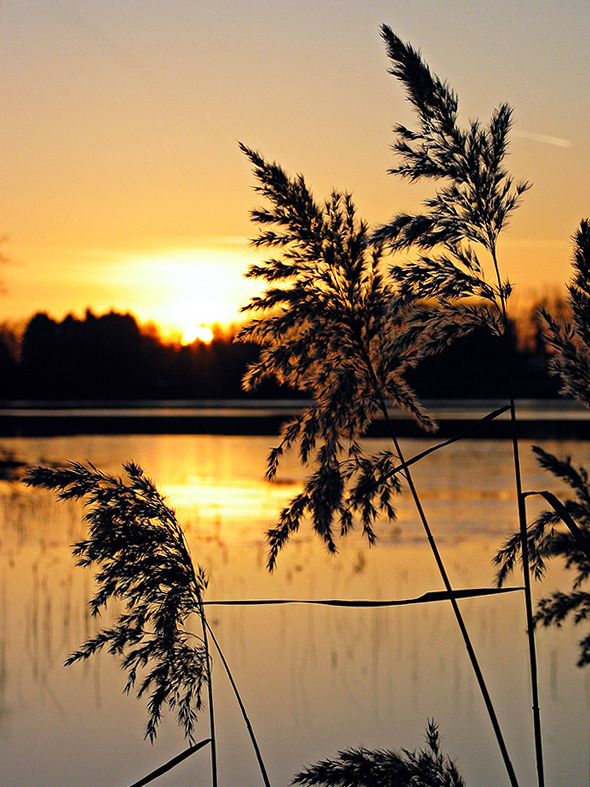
[(247, 722), (205, 628), (522, 523), (406, 473), (459, 617), (430, 597), (471, 428), (155, 774)]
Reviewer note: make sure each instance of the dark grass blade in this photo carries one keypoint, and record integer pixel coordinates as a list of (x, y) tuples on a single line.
[(425, 598), (467, 431), (171, 763)]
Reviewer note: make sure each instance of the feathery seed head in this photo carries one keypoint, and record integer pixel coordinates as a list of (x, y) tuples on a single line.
[(141, 558)]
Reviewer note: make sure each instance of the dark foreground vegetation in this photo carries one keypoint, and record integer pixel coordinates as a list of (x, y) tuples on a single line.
[(113, 357)]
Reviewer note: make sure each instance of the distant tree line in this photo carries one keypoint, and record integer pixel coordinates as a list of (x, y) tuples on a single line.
[(113, 357)]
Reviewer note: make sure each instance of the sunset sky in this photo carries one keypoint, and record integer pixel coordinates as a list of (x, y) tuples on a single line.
[(121, 182)]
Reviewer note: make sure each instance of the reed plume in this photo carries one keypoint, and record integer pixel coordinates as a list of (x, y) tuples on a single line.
[(477, 195), (383, 768), (141, 558), (333, 325), (329, 323), (469, 208), (569, 342)]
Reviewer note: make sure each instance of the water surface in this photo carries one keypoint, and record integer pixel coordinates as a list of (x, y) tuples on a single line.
[(314, 679)]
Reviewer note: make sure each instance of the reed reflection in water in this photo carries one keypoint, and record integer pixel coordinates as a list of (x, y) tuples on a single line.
[(314, 679)]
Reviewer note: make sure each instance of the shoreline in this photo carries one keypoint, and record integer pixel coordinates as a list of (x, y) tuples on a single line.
[(538, 419)]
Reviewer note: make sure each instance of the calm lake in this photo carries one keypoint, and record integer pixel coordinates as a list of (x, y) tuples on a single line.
[(314, 679)]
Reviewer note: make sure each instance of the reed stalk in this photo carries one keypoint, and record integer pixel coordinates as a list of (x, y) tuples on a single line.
[(462, 627), (168, 766), (523, 529), (331, 325), (209, 669), (247, 722), (406, 472), (455, 606)]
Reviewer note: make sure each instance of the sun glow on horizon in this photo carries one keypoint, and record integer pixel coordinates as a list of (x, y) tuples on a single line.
[(188, 292), (202, 333)]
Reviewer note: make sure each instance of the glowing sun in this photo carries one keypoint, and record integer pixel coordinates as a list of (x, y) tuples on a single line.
[(190, 334), (185, 292)]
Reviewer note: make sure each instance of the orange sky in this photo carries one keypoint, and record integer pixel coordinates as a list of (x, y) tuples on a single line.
[(121, 182)]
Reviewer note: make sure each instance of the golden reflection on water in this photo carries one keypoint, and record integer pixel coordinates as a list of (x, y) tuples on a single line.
[(314, 679)]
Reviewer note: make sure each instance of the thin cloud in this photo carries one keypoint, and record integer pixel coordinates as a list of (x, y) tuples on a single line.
[(544, 138)]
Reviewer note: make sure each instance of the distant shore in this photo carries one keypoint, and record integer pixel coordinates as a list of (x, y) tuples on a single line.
[(538, 419)]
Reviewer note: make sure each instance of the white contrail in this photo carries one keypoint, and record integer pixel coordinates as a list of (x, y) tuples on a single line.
[(545, 138), (101, 40)]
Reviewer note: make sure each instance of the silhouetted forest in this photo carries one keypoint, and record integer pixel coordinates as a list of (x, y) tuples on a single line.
[(112, 357)]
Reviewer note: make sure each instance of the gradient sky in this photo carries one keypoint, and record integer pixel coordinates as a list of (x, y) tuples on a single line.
[(121, 182)]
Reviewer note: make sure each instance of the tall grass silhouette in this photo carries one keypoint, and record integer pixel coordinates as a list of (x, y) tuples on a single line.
[(141, 558), (546, 537), (333, 323), (465, 216)]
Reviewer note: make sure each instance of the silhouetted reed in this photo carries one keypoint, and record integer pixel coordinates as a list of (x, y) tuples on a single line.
[(328, 323), (383, 768), (463, 218), (570, 362), (334, 325), (569, 341), (141, 558)]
